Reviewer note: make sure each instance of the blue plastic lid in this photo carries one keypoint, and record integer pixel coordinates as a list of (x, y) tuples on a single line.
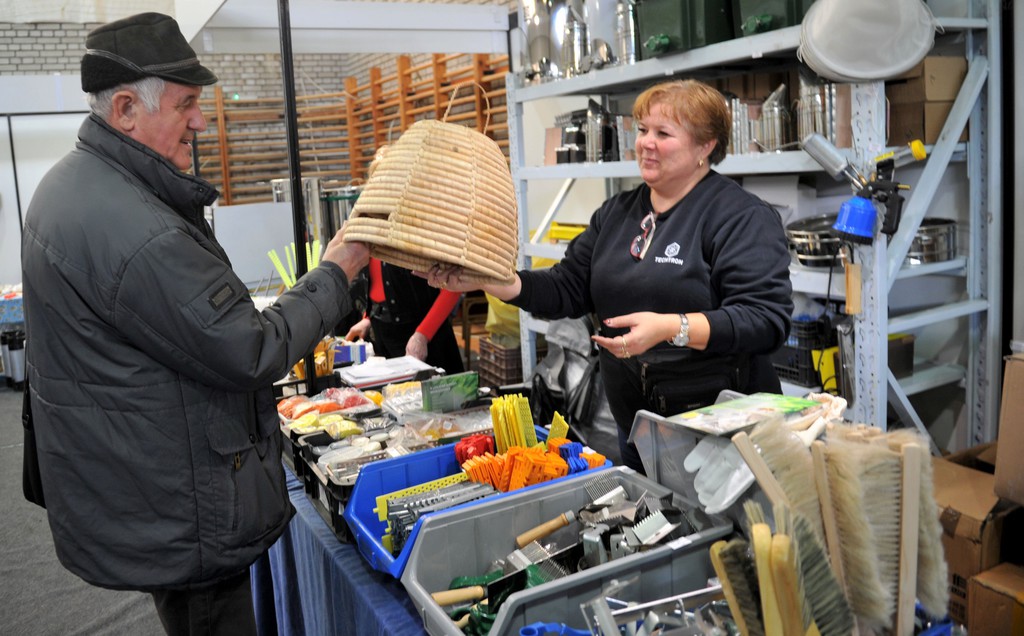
[(856, 220)]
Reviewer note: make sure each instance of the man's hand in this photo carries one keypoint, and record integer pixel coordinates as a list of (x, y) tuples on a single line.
[(351, 256)]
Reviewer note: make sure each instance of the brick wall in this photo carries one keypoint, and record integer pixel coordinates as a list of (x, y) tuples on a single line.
[(41, 48), (44, 48)]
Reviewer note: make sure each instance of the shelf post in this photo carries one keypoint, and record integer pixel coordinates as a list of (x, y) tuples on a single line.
[(871, 354)]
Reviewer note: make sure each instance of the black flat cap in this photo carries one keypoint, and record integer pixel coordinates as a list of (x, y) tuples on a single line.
[(143, 45)]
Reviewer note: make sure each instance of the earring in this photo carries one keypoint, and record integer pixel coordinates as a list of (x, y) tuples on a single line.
[(700, 164)]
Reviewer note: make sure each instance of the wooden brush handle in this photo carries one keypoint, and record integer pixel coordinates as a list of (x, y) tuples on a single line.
[(459, 595), (912, 455), (828, 518), (762, 473), (761, 537), (727, 588), (544, 529), (784, 578)]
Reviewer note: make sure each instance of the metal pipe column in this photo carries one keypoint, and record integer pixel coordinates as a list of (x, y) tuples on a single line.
[(299, 226)]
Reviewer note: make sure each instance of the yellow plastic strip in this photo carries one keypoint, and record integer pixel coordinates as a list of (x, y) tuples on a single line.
[(276, 260), (382, 500)]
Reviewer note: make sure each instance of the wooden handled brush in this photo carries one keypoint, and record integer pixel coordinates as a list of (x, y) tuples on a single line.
[(757, 465), (459, 595), (832, 540), (911, 456), (761, 536), (727, 586), (784, 580), (828, 513), (546, 528)]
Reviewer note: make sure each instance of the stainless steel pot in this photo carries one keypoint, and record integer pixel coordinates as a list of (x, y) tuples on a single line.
[(934, 242), (812, 241)]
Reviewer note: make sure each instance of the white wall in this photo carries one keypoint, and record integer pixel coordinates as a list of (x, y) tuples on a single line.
[(247, 232)]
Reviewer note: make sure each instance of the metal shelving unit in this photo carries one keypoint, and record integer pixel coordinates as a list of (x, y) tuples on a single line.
[(882, 264)]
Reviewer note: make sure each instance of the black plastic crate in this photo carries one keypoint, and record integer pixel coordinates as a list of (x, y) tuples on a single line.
[(330, 502), (291, 454), (328, 493), (328, 497), (796, 365), (811, 334)]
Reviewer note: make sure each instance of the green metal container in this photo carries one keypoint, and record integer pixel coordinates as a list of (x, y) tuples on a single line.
[(758, 16), (672, 26)]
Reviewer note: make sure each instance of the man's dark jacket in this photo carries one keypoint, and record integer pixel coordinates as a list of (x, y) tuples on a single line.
[(150, 371)]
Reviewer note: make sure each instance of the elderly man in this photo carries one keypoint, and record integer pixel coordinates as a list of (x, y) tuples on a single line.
[(150, 370)]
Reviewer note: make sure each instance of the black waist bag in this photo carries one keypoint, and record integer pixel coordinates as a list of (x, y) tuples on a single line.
[(31, 481), (673, 387)]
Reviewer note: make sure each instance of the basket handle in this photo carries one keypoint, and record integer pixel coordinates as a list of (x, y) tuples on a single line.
[(483, 91)]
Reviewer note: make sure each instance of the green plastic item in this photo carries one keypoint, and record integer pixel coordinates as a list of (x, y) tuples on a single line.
[(658, 43), (758, 24), (758, 16), (674, 26)]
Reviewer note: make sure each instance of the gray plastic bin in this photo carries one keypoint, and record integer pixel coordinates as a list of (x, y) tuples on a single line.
[(466, 542)]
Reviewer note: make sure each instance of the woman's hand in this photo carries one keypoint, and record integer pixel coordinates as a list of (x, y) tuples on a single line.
[(417, 346), (358, 330), (645, 329), (449, 277)]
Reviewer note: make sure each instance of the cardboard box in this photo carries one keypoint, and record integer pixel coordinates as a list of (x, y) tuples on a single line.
[(973, 522), (552, 140), (1009, 468), (997, 601), (933, 79), (920, 120), (981, 457)]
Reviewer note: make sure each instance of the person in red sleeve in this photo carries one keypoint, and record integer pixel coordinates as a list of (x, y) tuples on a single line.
[(406, 316)]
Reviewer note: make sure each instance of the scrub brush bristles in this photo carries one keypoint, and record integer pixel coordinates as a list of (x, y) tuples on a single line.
[(932, 569), (790, 462), (825, 600), (735, 568), (864, 480), (784, 526)]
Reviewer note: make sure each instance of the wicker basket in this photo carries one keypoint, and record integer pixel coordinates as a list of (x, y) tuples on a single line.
[(441, 194)]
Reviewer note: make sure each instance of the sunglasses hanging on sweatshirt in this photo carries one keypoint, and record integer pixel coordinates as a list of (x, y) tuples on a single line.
[(642, 241)]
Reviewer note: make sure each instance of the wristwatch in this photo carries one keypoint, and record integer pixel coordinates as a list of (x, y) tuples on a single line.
[(682, 338)]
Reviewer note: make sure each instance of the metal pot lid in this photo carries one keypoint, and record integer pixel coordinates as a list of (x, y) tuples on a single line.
[(820, 223)]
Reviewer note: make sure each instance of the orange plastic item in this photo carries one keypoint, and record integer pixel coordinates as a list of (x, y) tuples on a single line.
[(286, 407), (594, 459)]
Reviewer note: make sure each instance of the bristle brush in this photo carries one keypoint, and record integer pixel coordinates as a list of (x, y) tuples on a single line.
[(864, 482), (824, 596), (736, 560), (761, 540), (932, 569), (789, 460)]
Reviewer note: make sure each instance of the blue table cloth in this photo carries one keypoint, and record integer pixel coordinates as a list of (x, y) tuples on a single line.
[(310, 584)]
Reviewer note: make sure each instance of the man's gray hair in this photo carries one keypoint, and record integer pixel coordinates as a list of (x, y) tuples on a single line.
[(149, 90)]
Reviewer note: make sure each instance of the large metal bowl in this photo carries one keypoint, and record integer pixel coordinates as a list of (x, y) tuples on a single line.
[(812, 241)]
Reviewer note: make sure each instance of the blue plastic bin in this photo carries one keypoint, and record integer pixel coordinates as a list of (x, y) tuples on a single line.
[(386, 476)]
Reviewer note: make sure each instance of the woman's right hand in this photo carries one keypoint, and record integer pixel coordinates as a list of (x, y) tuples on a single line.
[(449, 277), (358, 330)]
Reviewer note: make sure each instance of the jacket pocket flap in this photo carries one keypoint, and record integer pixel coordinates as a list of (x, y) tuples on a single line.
[(227, 438)]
